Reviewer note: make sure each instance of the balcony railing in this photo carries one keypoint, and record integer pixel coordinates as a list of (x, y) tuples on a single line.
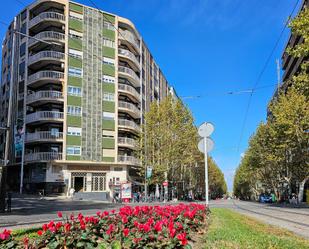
[(41, 75), (128, 160), (46, 16), (43, 156), (128, 106), (50, 55), (127, 141), (44, 95), (44, 115), (128, 124), (48, 36), (44, 136), (128, 36), (128, 54), (129, 89), (130, 72)]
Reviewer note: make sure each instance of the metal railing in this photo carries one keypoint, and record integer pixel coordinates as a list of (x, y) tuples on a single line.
[(44, 95), (44, 16), (45, 74), (130, 89), (129, 124), (129, 55), (129, 160), (127, 141), (43, 115), (43, 156), (47, 36), (127, 35), (130, 72), (43, 136), (46, 55), (128, 106)]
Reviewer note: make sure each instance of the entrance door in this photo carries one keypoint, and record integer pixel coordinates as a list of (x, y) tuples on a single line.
[(78, 183)]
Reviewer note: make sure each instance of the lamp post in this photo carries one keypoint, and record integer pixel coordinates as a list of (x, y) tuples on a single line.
[(4, 173)]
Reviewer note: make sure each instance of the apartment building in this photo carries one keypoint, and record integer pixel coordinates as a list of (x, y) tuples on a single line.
[(74, 90)]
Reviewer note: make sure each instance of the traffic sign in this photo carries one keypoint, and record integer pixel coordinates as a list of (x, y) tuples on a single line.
[(209, 145), (206, 129)]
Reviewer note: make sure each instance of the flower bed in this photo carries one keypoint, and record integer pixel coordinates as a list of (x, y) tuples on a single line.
[(130, 227)]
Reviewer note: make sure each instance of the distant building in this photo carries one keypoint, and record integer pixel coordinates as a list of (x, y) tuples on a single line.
[(80, 88)]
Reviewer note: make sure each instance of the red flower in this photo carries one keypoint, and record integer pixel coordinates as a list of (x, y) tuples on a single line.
[(45, 227), (67, 227), (98, 213), (158, 226), (182, 237), (5, 234), (124, 219), (172, 232), (40, 232), (59, 214), (26, 241), (125, 232)]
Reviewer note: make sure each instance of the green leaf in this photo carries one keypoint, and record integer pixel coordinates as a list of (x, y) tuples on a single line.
[(116, 244)]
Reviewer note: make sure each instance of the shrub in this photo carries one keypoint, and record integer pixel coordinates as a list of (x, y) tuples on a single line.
[(130, 227)]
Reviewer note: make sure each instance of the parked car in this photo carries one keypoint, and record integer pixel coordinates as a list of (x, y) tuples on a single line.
[(264, 198)]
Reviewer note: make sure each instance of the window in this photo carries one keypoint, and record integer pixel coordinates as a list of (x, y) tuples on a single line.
[(22, 49), (76, 72), (108, 43), (108, 61), (98, 182), (75, 34), (108, 96), (108, 79), (108, 115), (108, 25), (75, 53), (74, 150), (74, 110), (74, 91), (74, 131)]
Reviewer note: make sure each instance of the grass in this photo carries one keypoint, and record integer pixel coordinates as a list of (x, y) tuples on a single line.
[(29, 232), (229, 229)]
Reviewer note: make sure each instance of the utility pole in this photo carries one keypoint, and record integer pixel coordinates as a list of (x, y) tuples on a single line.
[(206, 171)]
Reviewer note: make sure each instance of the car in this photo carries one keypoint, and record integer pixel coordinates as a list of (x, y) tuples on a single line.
[(265, 198)]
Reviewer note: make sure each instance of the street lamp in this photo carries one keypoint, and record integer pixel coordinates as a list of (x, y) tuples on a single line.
[(3, 174)]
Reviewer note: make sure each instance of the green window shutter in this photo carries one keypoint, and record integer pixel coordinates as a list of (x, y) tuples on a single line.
[(74, 100), (110, 34), (74, 140), (74, 121), (108, 125), (73, 158), (76, 8), (109, 52), (109, 88), (108, 159), (108, 143), (75, 81), (74, 62), (108, 70), (108, 106), (75, 25), (109, 18), (75, 43)]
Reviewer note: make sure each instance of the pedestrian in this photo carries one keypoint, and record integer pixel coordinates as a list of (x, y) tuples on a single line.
[(72, 192)]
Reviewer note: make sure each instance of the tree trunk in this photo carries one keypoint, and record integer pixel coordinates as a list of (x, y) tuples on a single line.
[(301, 189)]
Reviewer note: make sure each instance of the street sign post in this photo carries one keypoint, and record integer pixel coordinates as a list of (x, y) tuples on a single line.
[(205, 145)]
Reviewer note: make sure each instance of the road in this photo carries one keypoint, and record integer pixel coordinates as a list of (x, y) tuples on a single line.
[(27, 212), (295, 219)]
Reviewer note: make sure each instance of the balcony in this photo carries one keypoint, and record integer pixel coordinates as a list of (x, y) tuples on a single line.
[(45, 57), (129, 108), (129, 74), (127, 37), (48, 37), (131, 160), (129, 56), (43, 77), (44, 136), (44, 116), (43, 156), (42, 97), (51, 18), (129, 90), (127, 142), (128, 125)]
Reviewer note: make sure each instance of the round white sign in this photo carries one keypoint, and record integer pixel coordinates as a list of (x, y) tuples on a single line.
[(209, 144), (206, 129)]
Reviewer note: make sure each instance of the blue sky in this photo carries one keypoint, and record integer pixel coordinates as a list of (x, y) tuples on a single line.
[(208, 47)]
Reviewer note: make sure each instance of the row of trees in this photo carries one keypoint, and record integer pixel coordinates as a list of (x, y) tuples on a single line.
[(277, 158), (168, 143)]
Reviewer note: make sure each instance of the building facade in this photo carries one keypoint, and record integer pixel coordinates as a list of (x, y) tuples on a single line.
[(74, 90)]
